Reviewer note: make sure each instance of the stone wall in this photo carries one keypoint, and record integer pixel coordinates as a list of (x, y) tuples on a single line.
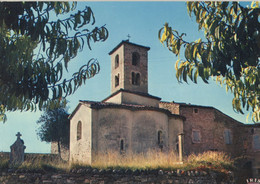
[(215, 131), (202, 123), (65, 152), (137, 129), (80, 147), (172, 107), (140, 68), (31, 156), (250, 149), (109, 176), (125, 68)]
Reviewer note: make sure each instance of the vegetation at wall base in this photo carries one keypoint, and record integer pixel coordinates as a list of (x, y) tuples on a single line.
[(206, 162)]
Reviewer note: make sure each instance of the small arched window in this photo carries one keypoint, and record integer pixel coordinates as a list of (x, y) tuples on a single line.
[(160, 141), (79, 130), (135, 59), (135, 78), (122, 146), (116, 80), (116, 61), (159, 137)]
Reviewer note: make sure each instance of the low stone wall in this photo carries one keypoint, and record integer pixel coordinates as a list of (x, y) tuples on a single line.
[(4, 155), (32, 156), (109, 176)]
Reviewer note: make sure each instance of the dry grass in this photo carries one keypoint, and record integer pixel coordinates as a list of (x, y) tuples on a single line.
[(42, 165), (217, 161), (151, 159), (37, 163)]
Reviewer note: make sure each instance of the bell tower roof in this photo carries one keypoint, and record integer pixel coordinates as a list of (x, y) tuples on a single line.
[(127, 42), (129, 65)]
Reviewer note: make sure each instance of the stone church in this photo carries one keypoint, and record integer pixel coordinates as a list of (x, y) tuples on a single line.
[(131, 120)]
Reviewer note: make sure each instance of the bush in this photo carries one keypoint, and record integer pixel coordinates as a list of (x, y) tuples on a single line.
[(4, 164)]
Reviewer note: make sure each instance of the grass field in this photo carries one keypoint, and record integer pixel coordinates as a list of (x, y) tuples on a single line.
[(216, 161)]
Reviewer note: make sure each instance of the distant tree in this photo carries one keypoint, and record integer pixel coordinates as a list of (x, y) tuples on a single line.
[(55, 127), (37, 41), (230, 51)]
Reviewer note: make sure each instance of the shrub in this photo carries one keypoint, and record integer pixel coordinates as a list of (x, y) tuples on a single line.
[(218, 161), (4, 164)]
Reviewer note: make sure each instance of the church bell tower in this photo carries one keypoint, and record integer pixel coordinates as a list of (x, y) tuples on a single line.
[(129, 65)]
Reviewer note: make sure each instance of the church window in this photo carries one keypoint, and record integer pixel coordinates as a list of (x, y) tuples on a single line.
[(196, 137), (133, 78), (159, 139), (116, 61), (195, 110), (116, 80), (136, 79), (122, 146), (227, 136), (256, 142), (135, 59), (79, 130)]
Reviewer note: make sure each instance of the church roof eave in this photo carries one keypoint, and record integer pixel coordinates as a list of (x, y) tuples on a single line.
[(181, 104), (127, 42), (74, 111), (101, 105), (128, 91)]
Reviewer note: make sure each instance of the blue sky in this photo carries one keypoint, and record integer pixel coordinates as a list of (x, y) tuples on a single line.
[(142, 21)]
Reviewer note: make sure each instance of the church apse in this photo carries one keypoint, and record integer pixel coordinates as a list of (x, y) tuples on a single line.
[(137, 129)]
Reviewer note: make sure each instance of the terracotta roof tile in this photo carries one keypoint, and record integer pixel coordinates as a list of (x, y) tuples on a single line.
[(127, 42), (100, 105)]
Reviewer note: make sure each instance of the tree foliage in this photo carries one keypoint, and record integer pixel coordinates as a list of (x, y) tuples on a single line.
[(55, 126), (37, 41), (229, 53)]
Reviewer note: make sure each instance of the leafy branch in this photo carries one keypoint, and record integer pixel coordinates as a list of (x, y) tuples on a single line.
[(232, 49)]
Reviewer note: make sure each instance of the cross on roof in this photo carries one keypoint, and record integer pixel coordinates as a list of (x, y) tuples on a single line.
[(128, 36), (18, 135)]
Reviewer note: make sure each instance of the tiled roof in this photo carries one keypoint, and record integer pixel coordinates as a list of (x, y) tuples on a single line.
[(137, 93), (127, 42), (205, 107), (192, 105), (100, 105)]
